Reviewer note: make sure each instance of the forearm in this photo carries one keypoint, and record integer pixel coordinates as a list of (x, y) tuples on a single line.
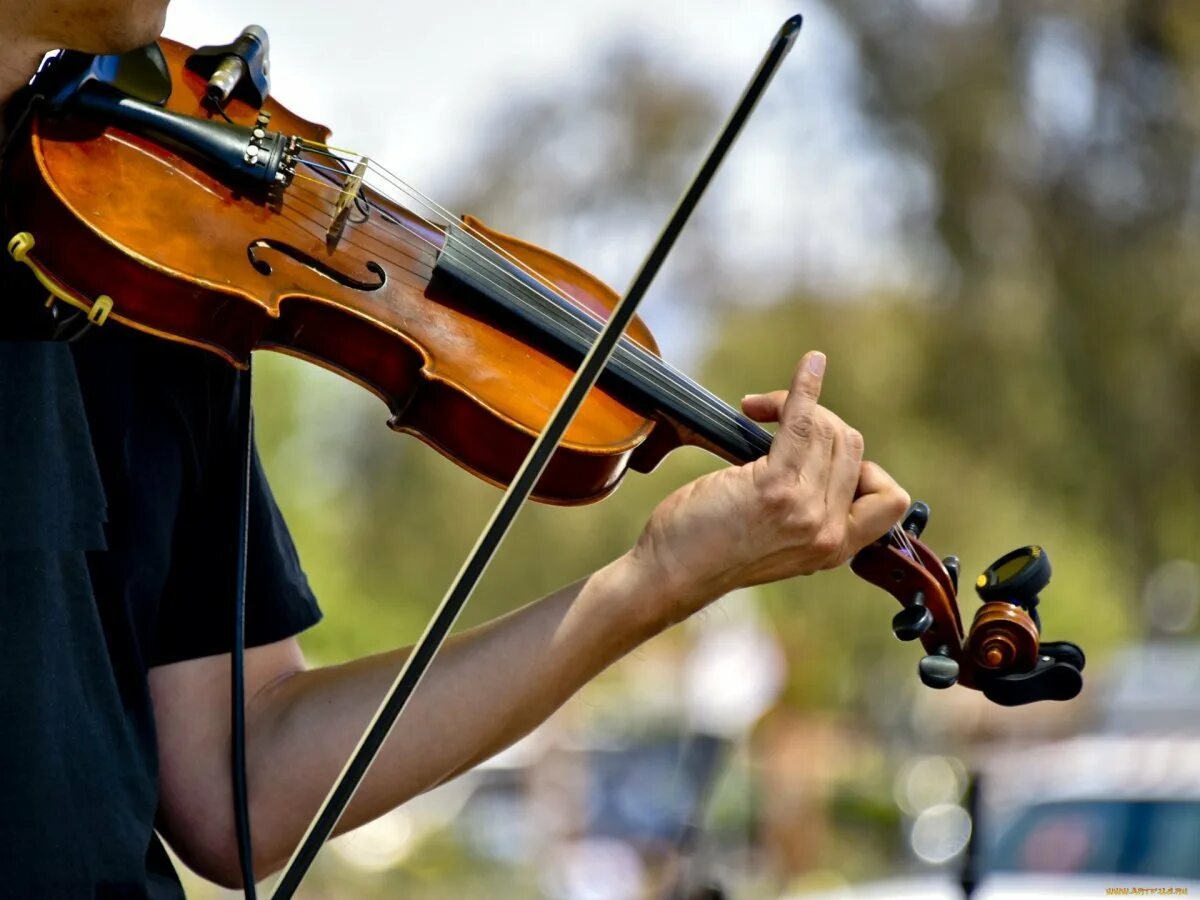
[(488, 687), (809, 504)]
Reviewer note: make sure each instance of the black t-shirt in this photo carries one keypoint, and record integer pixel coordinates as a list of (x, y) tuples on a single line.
[(118, 519)]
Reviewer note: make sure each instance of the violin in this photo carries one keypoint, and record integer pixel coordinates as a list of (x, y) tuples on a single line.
[(165, 190)]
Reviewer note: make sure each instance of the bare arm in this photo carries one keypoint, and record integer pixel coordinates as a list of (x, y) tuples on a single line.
[(808, 505), (489, 687)]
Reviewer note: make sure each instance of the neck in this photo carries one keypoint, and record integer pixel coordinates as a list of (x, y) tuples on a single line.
[(642, 377)]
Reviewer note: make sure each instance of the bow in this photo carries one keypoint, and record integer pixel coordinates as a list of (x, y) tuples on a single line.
[(519, 490)]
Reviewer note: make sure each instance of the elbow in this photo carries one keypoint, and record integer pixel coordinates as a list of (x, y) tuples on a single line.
[(222, 875), (210, 850), (206, 842), (216, 859)]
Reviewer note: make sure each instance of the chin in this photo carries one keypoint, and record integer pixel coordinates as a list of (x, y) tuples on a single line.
[(144, 24), (126, 26)]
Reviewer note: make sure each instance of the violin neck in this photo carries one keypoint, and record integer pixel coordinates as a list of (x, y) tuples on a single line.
[(642, 379), (704, 420)]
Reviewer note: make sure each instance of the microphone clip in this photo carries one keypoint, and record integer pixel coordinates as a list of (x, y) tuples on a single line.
[(240, 69)]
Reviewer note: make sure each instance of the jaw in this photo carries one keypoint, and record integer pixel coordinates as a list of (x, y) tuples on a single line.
[(94, 26), (18, 61)]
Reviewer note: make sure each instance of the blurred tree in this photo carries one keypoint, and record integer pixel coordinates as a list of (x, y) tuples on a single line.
[(1062, 138)]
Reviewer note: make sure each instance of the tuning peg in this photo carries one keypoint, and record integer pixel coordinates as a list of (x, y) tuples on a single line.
[(952, 569), (916, 518), (1050, 679), (1064, 652), (912, 621), (938, 670)]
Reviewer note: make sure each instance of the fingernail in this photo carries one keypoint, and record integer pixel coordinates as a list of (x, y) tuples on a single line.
[(748, 396), (816, 363)]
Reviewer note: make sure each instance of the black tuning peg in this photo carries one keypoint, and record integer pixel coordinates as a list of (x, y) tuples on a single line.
[(952, 569), (912, 621), (938, 670), (916, 518), (1051, 679), (1064, 652)]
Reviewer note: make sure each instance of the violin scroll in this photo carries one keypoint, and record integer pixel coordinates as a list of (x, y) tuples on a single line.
[(1001, 654), (1005, 637)]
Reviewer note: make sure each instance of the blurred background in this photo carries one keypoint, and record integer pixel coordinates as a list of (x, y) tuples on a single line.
[(988, 215)]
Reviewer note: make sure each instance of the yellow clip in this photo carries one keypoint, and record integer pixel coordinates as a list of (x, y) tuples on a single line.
[(20, 245), (97, 312)]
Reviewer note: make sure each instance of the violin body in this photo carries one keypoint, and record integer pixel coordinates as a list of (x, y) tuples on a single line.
[(181, 254)]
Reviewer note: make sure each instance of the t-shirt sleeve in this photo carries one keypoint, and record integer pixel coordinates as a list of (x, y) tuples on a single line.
[(196, 614)]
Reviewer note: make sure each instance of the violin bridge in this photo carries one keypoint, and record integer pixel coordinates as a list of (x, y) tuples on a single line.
[(345, 202)]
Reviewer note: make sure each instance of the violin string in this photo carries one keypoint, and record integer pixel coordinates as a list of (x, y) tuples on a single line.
[(589, 321), (409, 271), (370, 237), (645, 371), (907, 541), (899, 535), (646, 365), (896, 532), (718, 413), (448, 216), (414, 253), (325, 184), (411, 255), (422, 256)]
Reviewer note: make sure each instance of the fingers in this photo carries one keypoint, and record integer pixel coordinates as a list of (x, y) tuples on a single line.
[(764, 407), (880, 505), (800, 446), (817, 460), (845, 469)]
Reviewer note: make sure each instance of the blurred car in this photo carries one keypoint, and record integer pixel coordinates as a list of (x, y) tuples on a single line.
[(1152, 688), (1073, 819)]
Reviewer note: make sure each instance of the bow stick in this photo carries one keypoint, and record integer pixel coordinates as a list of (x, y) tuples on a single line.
[(460, 590)]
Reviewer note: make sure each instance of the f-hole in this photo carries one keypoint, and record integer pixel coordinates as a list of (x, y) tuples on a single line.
[(263, 267)]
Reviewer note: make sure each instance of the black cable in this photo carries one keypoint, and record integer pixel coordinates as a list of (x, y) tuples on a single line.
[(706, 752), (969, 873), (220, 107), (237, 669)]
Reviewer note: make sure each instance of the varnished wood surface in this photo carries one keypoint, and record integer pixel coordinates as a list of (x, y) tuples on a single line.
[(115, 214)]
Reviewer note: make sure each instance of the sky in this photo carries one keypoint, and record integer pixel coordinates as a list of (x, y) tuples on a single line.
[(382, 71), (807, 197)]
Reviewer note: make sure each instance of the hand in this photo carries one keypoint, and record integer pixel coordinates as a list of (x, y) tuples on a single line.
[(811, 503)]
